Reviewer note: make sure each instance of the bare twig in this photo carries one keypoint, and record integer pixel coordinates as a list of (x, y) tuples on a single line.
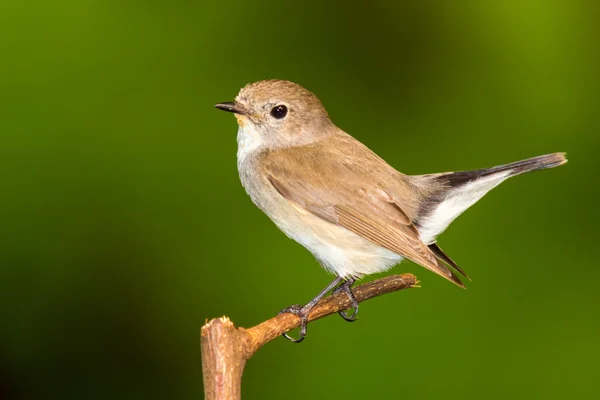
[(225, 348)]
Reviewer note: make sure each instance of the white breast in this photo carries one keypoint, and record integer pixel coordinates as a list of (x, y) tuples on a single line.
[(248, 140)]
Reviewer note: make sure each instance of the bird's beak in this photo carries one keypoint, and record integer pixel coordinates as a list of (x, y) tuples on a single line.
[(233, 107)]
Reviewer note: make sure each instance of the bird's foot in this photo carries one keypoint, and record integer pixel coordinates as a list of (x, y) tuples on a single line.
[(346, 288), (302, 313)]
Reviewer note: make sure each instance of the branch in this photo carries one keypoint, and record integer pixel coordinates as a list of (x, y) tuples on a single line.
[(225, 348)]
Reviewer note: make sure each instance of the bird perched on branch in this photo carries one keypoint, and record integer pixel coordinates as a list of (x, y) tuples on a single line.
[(353, 211)]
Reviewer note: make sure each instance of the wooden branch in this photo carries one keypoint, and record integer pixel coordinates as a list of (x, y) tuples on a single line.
[(225, 348)]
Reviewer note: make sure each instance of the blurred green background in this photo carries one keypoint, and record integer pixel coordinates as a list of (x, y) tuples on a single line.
[(124, 225)]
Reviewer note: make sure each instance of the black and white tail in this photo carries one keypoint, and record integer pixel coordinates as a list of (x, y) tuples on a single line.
[(454, 192)]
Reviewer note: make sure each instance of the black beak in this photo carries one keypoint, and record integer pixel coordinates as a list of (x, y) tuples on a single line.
[(231, 106)]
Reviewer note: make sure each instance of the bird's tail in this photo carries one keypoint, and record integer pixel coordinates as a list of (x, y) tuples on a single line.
[(457, 179), (454, 192)]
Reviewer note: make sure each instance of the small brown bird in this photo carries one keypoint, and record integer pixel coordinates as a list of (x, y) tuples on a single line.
[(353, 211)]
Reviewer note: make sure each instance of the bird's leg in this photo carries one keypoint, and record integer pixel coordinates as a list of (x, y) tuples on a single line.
[(346, 288), (303, 311)]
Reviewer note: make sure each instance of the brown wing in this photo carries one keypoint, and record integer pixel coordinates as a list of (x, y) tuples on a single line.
[(350, 195)]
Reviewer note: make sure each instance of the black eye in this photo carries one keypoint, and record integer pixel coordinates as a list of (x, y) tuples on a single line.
[(279, 112)]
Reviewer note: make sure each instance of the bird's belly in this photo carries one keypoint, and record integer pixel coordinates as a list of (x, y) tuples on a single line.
[(339, 250)]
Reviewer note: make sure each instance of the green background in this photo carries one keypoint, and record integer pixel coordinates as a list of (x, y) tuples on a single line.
[(123, 225)]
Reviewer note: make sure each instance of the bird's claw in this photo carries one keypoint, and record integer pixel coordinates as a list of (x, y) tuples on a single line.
[(346, 288), (302, 313)]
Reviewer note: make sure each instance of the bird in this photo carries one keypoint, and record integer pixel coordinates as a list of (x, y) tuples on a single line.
[(330, 193)]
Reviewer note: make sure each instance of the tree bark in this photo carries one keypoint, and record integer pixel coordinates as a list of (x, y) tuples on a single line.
[(225, 348)]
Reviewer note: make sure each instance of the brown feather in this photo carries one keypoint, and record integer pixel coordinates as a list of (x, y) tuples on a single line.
[(366, 202)]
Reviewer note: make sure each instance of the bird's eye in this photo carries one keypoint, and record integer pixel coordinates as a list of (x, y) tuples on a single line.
[(279, 112)]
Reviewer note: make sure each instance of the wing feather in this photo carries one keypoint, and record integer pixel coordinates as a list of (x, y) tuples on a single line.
[(339, 193)]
